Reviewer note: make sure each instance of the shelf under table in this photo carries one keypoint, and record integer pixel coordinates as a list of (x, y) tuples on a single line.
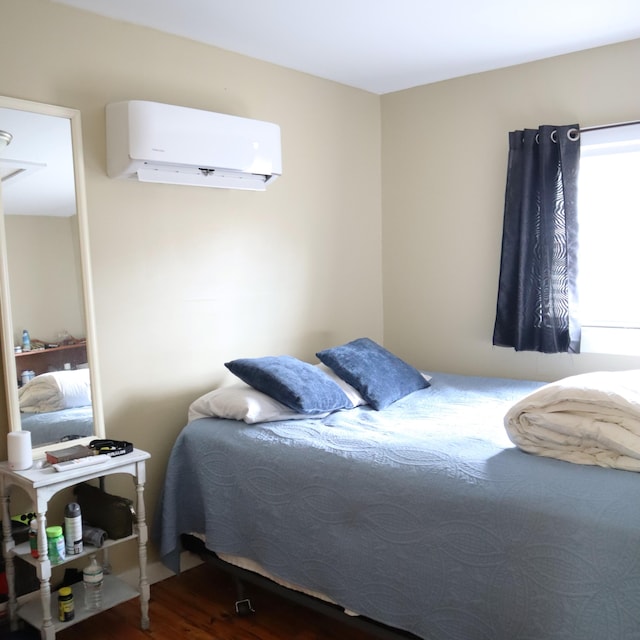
[(23, 551), (114, 592)]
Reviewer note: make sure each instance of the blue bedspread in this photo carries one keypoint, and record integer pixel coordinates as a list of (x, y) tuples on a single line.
[(422, 516)]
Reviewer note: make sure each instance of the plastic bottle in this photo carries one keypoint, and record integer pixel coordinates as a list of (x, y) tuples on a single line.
[(92, 577), (55, 545), (72, 529), (65, 604), (26, 341), (33, 538)]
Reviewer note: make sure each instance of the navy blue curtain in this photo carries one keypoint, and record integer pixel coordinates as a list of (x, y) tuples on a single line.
[(537, 296)]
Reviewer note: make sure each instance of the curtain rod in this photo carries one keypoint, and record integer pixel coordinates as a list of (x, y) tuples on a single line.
[(610, 126)]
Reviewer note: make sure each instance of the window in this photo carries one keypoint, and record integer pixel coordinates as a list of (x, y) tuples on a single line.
[(609, 239)]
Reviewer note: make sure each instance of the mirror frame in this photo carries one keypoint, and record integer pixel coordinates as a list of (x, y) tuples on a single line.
[(9, 361)]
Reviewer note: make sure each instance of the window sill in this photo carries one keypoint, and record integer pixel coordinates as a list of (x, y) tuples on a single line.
[(610, 340)]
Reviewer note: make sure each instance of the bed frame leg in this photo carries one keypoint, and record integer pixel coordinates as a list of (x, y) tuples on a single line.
[(243, 604)]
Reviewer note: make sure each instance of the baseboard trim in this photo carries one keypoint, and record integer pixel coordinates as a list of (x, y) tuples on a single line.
[(156, 571)]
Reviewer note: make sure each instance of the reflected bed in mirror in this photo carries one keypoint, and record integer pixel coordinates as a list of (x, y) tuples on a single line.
[(56, 406), (51, 373)]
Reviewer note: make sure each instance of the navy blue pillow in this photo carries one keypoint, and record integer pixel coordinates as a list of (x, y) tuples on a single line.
[(379, 376), (296, 384)]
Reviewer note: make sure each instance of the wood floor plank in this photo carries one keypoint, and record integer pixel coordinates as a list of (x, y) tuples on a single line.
[(199, 604)]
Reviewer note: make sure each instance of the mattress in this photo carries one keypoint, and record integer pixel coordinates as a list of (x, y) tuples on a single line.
[(423, 516)]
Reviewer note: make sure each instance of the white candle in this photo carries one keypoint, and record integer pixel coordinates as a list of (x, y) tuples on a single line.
[(19, 450)]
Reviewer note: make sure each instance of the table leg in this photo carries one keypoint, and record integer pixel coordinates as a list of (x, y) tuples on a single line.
[(9, 567), (142, 554), (47, 631)]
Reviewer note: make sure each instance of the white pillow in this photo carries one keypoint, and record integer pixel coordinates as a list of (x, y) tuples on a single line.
[(55, 391), (242, 402), (351, 392)]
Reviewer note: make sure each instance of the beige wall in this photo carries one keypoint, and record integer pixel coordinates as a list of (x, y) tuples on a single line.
[(42, 255), (444, 164), (186, 278)]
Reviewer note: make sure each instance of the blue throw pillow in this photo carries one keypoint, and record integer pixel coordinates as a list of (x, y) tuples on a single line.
[(296, 384), (379, 376)]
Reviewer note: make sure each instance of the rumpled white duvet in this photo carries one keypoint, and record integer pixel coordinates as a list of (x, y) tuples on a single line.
[(592, 418), (56, 391)]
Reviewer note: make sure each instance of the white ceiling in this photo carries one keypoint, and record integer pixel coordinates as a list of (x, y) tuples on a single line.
[(41, 145), (383, 45), (376, 45)]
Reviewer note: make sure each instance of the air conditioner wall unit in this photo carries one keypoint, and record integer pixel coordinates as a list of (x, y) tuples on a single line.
[(154, 142)]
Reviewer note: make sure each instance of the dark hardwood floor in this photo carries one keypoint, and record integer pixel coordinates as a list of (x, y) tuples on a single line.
[(199, 604)]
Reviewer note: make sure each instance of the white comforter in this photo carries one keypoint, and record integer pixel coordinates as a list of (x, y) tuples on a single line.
[(592, 418), (55, 391)]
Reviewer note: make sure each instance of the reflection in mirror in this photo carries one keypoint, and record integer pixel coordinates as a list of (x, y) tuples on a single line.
[(48, 335)]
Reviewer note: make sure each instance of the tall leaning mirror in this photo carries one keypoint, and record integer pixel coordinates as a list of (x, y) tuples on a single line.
[(48, 333)]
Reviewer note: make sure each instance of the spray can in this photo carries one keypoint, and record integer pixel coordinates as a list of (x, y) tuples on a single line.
[(72, 529)]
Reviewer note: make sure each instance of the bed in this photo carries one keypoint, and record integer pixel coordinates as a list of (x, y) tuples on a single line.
[(423, 515)]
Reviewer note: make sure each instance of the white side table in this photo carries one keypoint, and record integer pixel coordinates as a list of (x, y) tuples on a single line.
[(41, 485)]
